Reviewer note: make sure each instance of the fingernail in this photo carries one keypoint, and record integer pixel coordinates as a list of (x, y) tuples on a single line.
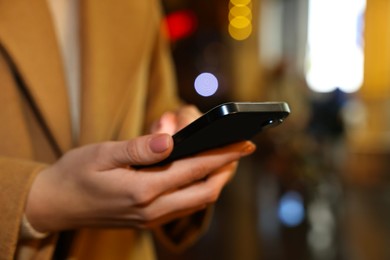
[(248, 149), (160, 143)]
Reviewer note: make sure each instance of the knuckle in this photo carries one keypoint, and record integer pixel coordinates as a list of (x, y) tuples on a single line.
[(133, 153), (147, 217), (143, 195), (139, 198)]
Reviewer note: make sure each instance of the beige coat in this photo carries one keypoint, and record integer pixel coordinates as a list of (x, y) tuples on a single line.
[(126, 83)]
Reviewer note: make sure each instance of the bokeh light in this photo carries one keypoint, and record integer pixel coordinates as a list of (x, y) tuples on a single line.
[(206, 84), (240, 11), (240, 2), (291, 209), (240, 19), (322, 225), (180, 24), (240, 28)]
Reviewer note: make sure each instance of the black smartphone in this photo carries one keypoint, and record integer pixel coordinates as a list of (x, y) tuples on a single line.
[(225, 124)]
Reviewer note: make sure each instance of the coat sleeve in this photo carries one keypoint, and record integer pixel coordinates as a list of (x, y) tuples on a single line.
[(16, 177), (18, 168), (181, 234)]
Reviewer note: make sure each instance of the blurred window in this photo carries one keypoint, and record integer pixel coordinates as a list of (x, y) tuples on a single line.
[(334, 55)]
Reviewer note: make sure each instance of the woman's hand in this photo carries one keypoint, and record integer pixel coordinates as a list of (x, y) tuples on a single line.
[(95, 185)]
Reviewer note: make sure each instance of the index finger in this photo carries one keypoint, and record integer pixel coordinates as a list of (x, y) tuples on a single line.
[(192, 169)]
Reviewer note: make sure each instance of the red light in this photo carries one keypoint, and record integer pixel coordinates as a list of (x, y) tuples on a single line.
[(180, 24)]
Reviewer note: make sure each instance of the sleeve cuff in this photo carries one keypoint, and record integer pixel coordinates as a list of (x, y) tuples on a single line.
[(179, 235), (28, 232)]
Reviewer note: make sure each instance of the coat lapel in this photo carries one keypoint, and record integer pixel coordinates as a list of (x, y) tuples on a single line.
[(27, 35), (114, 36)]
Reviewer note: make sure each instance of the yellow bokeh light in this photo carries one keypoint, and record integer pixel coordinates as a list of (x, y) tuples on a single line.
[(240, 2), (240, 10), (240, 33), (231, 5), (240, 17), (240, 22)]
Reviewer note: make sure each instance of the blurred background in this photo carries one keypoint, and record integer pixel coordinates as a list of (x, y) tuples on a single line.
[(318, 186)]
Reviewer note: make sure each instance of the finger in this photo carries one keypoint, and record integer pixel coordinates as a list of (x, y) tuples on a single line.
[(173, 205), (230, 168), (143, 150), (134, 220), (185, 115), (189, 170), (179, 202), (166, 124)]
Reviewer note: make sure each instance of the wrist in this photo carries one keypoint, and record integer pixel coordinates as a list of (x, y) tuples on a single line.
[(41, 212)]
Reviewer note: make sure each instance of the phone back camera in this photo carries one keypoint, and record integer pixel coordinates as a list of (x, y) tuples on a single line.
[(272, 122)]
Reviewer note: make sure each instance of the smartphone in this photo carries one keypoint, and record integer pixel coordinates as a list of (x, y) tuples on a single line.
[(225, 124)]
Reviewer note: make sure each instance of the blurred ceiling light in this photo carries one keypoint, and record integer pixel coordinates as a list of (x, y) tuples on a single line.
[(335, 57)]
